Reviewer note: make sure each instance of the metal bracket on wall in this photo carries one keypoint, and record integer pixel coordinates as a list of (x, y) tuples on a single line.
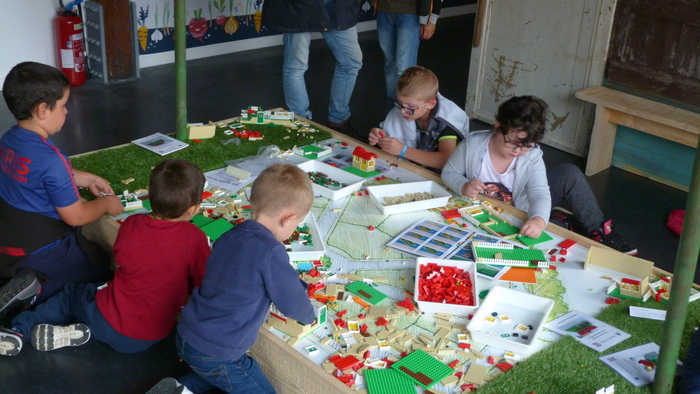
[(95, 41)]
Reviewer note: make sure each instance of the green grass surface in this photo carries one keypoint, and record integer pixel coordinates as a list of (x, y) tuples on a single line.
[(570, 367), (135, 162)]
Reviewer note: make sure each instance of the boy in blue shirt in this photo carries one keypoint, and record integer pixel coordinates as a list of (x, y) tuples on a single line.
[(39, 190), (247, 271)]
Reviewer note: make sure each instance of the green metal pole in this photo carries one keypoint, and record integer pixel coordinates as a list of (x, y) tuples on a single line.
[(683, 274), (180, 71)]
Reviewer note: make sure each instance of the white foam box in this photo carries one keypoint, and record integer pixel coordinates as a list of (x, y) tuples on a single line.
[(308, 252), (377, 194), (453, 309), (353, 182), (520, 309)]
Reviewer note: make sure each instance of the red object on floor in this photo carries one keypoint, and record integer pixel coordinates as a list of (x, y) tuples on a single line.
[(675, 220)]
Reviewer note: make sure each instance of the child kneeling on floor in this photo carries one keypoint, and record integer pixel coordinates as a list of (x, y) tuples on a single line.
[(161, 257), (507, 164), (424, 126), (247, 271)]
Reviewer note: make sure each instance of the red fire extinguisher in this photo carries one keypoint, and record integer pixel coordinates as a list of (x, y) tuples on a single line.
[(70, 46)]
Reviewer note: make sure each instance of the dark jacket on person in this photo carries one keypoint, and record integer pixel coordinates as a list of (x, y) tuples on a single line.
[(298, 16)]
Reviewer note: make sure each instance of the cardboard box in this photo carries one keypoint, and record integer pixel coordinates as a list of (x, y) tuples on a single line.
[(377, 194), (505, 312), (453, 309), (353, 182)]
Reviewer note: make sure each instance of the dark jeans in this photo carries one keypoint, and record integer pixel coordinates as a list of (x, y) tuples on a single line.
[(232, 376), (76, 304), (66, 262), (570, 189), (690, 382)]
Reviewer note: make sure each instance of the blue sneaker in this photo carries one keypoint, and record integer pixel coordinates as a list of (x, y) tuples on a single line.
[(19, 292)]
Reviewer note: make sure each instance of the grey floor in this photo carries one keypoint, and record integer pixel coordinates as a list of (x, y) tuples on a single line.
[(102, 116)]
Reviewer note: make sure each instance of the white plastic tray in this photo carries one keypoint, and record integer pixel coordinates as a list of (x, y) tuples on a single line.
[(306, 252), (520, 308), (453, 309), (377, 194), (353, 182)]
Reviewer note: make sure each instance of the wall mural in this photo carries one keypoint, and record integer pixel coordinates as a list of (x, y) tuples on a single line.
[(215, 22)]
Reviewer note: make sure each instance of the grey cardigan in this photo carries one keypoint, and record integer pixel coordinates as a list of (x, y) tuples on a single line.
[(530, 187)]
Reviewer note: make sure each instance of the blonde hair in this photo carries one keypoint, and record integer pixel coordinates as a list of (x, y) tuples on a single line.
[(280, 187), (418, 82)]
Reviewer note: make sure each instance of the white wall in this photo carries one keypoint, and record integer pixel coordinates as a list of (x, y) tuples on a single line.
[(27, 31)]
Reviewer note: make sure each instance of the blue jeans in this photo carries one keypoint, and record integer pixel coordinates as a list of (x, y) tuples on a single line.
[(76, 304), (348, 57), (399, 37), (690, 382), (232, 376)]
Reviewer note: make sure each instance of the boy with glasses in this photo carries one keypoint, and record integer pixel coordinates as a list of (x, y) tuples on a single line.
[(424, 126), (509, 157)]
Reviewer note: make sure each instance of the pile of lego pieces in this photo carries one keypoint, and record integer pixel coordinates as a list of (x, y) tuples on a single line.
[(444, 284)]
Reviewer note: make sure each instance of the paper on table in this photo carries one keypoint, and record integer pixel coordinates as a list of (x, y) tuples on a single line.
[(647, 313), (591, 332), (637, 364)]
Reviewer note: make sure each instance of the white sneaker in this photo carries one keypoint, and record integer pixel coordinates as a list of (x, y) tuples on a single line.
[(168, 386), (10, 342), (45, 337)]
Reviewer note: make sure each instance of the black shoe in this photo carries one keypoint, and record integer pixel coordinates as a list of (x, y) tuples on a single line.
[(10, 342), (45, 337), (167, 386), (19, 292), (344, 127), (564, 218), (607, 237)]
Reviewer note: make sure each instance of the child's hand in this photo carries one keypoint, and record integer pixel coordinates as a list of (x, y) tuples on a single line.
[(114, 205), (391, 145), (472, 188), (100, 186), (375, 135), (427, 31), (533, 227)]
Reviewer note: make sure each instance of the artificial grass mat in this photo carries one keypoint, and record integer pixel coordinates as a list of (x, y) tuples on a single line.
[(132, 161), (568, 367)]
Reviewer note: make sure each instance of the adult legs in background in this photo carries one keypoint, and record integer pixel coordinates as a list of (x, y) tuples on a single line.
[(399, 38), (296, 62), (690, 381), (348, 57), (570, 189)]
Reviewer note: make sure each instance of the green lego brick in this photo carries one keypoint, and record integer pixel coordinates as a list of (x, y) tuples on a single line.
[(544, 237), (366, 292), (423, 368), (201, 220), (388, 381), (216, 229), (147, 205)]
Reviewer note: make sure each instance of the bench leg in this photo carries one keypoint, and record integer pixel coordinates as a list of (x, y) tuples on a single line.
[(602, 142)]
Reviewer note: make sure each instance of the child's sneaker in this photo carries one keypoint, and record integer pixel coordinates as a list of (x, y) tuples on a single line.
[(10, 342), (168, 386), (45, 337), (563, 218), (606, 236), (19, 291)]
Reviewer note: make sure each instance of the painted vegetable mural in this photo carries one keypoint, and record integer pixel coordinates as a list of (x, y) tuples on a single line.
[(198, 26), (142, 31), (231, 25)]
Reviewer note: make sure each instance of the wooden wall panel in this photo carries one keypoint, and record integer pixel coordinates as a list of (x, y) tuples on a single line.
[(118, 39)]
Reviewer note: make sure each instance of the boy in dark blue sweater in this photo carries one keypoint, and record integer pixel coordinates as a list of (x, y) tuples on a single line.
[(247, 271)]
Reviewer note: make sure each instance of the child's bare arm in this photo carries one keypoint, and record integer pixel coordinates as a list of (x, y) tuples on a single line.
[(84, 212), (96, 184), (430, 159)]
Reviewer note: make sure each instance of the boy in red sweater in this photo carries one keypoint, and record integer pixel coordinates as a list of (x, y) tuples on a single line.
[(161, 257)]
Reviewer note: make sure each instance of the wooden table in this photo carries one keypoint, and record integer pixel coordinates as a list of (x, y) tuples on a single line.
[(287, 369)]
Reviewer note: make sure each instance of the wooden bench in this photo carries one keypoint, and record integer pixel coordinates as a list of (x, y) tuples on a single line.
[(617, 108)]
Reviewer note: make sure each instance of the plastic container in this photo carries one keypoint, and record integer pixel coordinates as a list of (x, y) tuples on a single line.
[(308, 252), (377, 194), (500, 315), (353, 182), (453, 309)]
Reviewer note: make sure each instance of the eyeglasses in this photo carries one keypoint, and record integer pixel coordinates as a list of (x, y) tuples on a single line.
[(513, 145), (409, 111)]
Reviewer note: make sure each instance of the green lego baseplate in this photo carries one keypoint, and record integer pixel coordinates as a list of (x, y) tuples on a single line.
[(366, 292), (423, 368), (216, 229), (388, 381)]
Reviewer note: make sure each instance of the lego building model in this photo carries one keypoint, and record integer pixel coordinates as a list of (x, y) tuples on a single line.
[(312, 151), (363, 160), (130, 201), (487, 218), (508, 255), (293, 328), (636, 271), (256, 115)]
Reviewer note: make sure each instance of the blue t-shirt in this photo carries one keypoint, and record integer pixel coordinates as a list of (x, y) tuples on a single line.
[(36, 175)]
